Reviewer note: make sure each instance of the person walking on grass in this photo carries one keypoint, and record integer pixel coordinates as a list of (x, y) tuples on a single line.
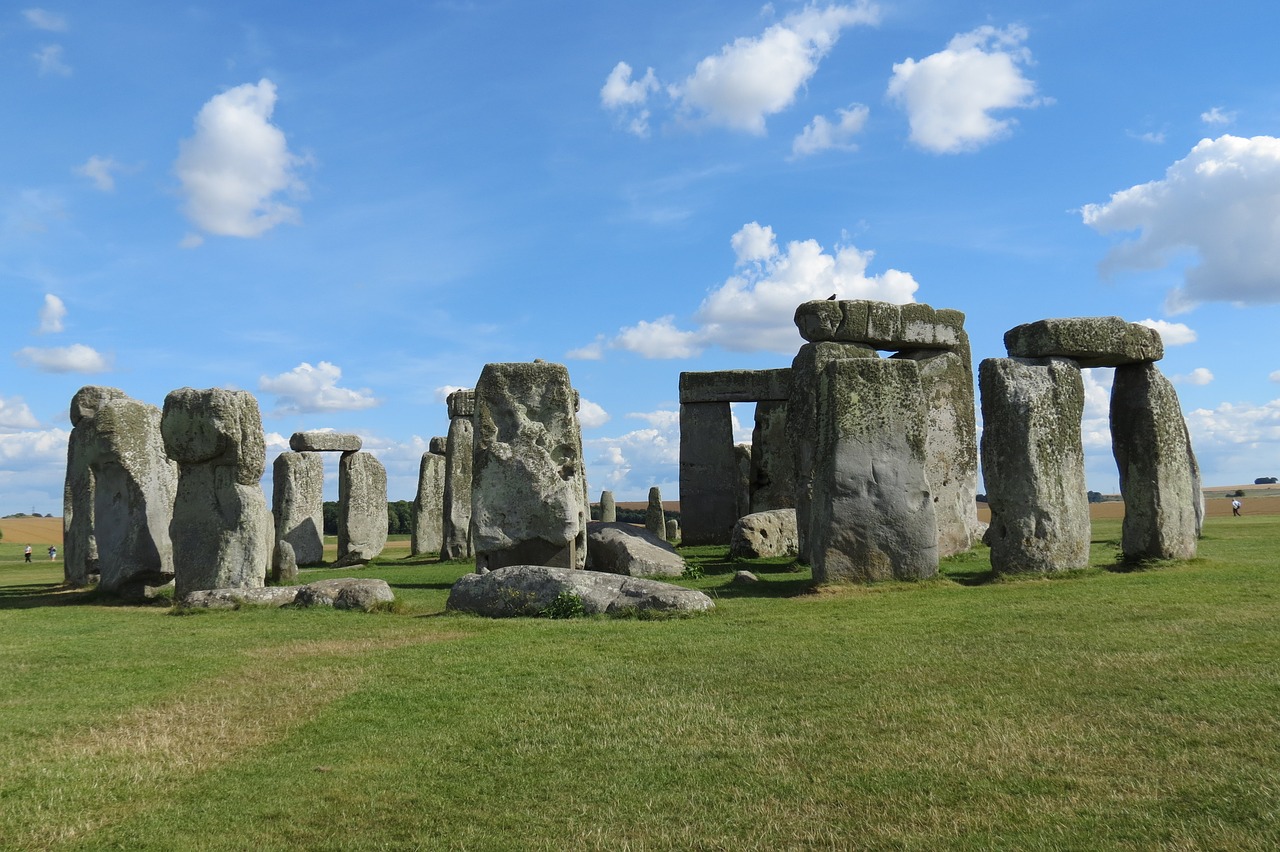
[(27, 554), (53, 553), (1235, 508)]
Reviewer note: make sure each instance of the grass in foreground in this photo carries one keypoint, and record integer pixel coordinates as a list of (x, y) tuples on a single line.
[(1105, 710)]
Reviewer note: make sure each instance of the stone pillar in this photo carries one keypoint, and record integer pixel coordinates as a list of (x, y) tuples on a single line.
[(1158, 470), (1033, 464), (428, 505), (608, 508), (742, 491), (362, 508), (528, 503), (655, 520), (673, 530), (297, 502), (222, 530), (708, 473), (79, 549), (773, 481), (456, 542), (872, 513)]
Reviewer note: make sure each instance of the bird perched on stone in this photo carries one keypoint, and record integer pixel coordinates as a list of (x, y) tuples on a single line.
[(831, 298)]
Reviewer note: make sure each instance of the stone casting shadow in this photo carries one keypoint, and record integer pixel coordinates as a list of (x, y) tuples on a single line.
[(35, 595)]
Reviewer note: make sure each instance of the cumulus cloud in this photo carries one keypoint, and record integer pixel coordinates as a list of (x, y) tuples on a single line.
[(1221, 203), (16, 414), (748, 80), (306, 389), (51, 314), (593, 351), (1198, 376), (1232, 439), (629, 463), (100, 170), (42, 19), (1217, 115), (76, 358), (949, 96), (591, 415), (50, 63), (237, 164), (821, 134), (1172, 333), (442, 393), (753, 310), (1275, 376)]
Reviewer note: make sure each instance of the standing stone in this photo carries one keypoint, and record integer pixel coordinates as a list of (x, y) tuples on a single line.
[(79, 548), (428, 505), (457, 543), (742, 493), (773, 481), (528, 504), (222, 530), (673, 530), (873, 515), (297, 502), (1033, 464), (362, 508), (608, 509), (708, 472), (655, 520), (1158, 471)]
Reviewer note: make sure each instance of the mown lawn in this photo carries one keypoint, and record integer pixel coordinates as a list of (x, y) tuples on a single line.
[(1108, 709)]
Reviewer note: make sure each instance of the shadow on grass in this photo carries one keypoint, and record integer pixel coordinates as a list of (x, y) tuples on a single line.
[(33, 595), (764, 588)]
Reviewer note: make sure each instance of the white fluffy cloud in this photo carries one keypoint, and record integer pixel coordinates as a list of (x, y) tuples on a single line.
[(822, 134), (100, 170), (593, 351), (442, 393), (51, 314), (237, 163), (592, 415), (1171, 333), (42, 19), (307, 389), (16, 414), (76, 358), (1198, 376), (748, 80), (1234, 439), (628, 464), (949, 96), (49, 61), (1217, 115), (1275, 376), (753, 311), (1221, 203)]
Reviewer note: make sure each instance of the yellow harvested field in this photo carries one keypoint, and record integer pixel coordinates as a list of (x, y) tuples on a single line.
[(32, 531)]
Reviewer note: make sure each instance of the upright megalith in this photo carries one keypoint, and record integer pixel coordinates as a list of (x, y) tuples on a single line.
[(1033, 464), (456, 537), (428, 504), (773, 482), (529, 504), (222, 529), (362, 508), (1158, 471), (79, 547), (297, 502), (655, 520), (872, 512), (608, 508)]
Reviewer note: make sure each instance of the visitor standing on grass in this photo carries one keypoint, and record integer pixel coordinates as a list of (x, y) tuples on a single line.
[(53, 553), (1235, 508), (27, 553)]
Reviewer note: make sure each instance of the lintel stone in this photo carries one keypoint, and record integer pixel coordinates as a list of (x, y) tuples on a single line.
[(881, 325), (317, 441), (736, 386), (1090, 341)]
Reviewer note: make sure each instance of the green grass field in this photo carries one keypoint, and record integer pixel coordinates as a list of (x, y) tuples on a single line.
[(1102, 710)]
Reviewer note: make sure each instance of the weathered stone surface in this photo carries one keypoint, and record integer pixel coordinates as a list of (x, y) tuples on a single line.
[(363, 594), (1033, 464), (802, 423), (428, 506), (655, 520), (881, 325), (735, 386), (744, 578), (951, 447), (457, 488), (222, 530), (529, 589), (438, 445), (297, 502), (1158, 470), (773, 480), (627, 549), (79, 548), (461, 403), (362, 508), (742, 490), (324, 441), (608, 508), (765, 534), (673, 530), (529, 501), (873, 516), (1089, 341), (708, 473)]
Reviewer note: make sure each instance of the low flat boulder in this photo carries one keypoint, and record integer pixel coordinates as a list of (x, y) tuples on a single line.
[(342, 593), (1089, 341), (634, 551), (765, 534), (528, 590), (320, 441)]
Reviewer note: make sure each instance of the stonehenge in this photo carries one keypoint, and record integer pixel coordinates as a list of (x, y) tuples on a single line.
[(362, 508), (608, 508), (456, 535), (655, 520), (297, 502), (428, 504)]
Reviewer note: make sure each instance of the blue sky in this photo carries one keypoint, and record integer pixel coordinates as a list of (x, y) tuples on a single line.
[(349, 210)]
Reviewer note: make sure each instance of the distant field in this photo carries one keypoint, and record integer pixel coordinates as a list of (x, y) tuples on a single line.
[(32, 531)]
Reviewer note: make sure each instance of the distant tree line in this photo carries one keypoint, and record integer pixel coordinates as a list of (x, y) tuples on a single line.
[(1265, 480), (399, 517)]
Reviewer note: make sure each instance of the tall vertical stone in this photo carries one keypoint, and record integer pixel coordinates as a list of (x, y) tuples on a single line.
[(1033, 464), (79, 548), (773, 481), (428, 505), (222, 529), (529, 503), (742, 489), (673, 530), (1158, 470), (708, 473), (608, 508), (655, 520), (456, 543), (297, 502), (872, 511), (362, 508)]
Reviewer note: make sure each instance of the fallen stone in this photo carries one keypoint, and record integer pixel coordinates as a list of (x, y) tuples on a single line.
[(626, 549), (342, 593), (765, 534), (744, 578), (1089, 341), (323, 441), (527, 590)]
